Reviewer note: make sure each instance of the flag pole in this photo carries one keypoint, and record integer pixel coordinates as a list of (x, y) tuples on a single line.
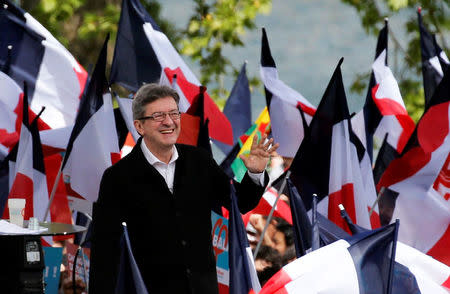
[(376, 201), (393, 253), (269, 218), (55, 185), (315, 238)]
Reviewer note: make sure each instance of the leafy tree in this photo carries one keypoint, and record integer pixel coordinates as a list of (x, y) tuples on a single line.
[(215, 25), (82, 25), (408, 73)]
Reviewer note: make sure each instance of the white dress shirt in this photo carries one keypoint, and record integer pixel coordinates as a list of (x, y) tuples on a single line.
[(167, 170)]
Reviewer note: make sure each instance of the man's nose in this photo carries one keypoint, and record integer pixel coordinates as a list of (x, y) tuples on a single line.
[(167, 119)]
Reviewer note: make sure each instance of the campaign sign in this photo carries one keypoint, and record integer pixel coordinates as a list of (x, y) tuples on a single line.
[(52, 271), (220, 247)]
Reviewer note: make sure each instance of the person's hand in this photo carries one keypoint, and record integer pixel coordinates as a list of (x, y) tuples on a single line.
[(260, 153)]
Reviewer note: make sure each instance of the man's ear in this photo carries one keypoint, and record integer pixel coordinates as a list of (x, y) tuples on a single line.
[(138, 126)]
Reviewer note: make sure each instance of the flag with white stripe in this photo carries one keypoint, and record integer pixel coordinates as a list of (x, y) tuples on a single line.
[(434, 60), (327, 162), (27, 173), (243, 277), (93, 144), (424, 213), (55, 79), (283, 103), (144, 54)]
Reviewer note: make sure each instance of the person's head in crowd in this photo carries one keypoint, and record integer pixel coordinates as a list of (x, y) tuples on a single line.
[(255, 228), (267, 263), (157, 117), (279, 234), (283, 237), (289, 255)]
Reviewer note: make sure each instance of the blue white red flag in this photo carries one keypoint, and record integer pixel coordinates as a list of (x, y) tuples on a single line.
[(93, 144), (283, 103), (144, 54), (424, 213), (243, 277), (327, 162)]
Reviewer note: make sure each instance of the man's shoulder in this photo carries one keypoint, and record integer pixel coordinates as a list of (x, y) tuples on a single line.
[(192, 151), (125, 163)]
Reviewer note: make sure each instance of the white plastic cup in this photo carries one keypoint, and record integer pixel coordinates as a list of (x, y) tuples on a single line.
[(16, 211)]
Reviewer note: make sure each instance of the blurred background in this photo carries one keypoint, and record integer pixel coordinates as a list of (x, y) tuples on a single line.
[(307, 39)]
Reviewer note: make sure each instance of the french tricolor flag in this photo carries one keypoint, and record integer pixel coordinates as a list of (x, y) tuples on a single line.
[(434, 60), (327, 162), (27, 172), (362, 264), (144, 54), (384, 111), (424, 213), (266, 203), (11, 109), (54, 77), (284, 104), (93, 144), (10, 122), (243, 276), (10, 127)]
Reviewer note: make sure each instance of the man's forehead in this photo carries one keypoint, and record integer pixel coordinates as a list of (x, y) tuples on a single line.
[(162, 104)]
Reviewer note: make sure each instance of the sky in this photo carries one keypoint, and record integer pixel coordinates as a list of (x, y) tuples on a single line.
[(307, 39)]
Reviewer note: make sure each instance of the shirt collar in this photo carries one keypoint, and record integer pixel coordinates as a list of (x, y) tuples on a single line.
[(152, 159)]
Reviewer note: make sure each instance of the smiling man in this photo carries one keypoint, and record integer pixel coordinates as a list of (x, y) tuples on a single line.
[(164, 192)]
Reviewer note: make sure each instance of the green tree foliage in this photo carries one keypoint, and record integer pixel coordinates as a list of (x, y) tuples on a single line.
[(215, 25), (82, 25), (408, 71)]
